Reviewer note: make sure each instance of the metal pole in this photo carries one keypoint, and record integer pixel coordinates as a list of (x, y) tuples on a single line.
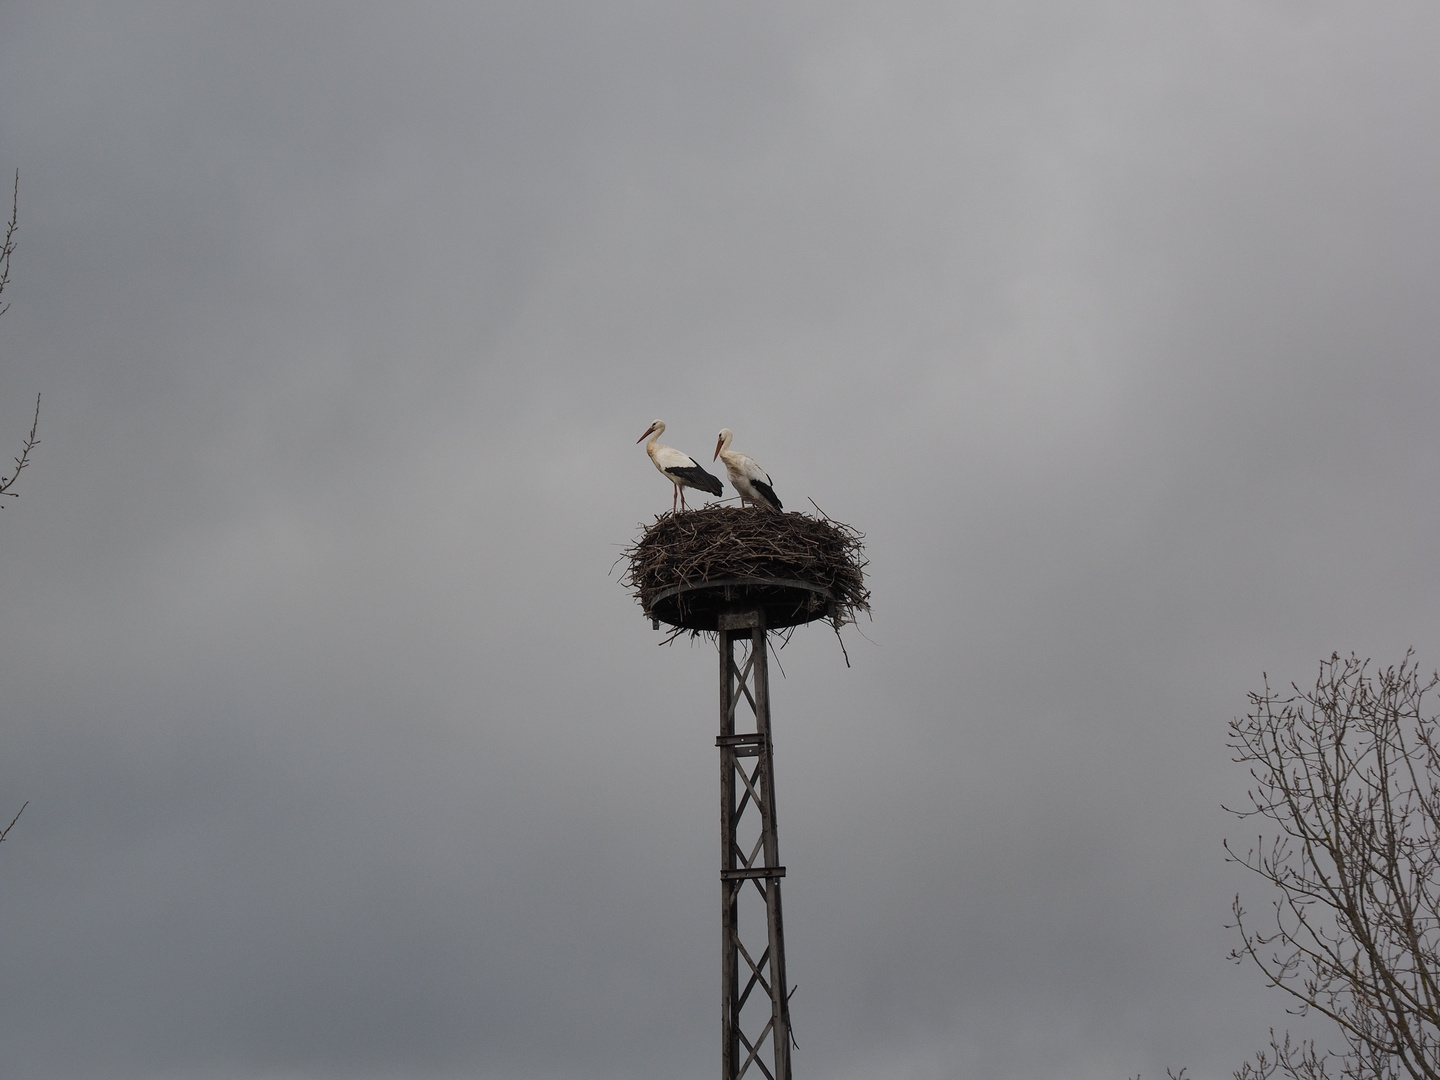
[(729, 894), (750, 853)]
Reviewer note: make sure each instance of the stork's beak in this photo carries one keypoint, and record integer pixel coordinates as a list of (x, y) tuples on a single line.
[(718, 444), (642, 438)]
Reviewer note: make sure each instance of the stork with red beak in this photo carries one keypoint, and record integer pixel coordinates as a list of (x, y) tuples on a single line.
[(750, 480), (680, 469)]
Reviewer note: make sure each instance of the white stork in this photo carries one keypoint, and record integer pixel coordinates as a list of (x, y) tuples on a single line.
[(750, 480), (680, 469)]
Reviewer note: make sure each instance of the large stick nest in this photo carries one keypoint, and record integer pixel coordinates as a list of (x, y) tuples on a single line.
[(686, 569)]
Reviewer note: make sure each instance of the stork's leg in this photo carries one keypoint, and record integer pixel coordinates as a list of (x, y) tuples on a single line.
[(681, 488), (674, 496)]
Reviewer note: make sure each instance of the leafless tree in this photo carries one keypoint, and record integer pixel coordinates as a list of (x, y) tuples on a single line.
[(7, 482), (1347, 786)]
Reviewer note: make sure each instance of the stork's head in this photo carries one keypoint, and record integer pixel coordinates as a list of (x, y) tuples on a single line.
[(723, 441), (655, 428)]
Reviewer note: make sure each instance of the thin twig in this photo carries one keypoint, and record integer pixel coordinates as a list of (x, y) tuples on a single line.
[(16, 818), (8, 248), (24, 459)]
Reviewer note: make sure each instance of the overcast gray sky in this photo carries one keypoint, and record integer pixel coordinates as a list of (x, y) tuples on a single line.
[(1113, 325)]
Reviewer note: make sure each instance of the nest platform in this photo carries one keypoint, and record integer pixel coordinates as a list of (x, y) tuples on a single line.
[(689, 568)]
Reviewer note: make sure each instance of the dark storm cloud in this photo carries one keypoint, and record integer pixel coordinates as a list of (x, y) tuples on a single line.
[(346, 755)]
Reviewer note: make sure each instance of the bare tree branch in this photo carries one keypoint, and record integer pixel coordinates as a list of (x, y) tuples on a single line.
[(6, 832), (7, 250), (24, 458), (9, 247)]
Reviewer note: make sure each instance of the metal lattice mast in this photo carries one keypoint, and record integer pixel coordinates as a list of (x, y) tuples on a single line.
[(754, 995)]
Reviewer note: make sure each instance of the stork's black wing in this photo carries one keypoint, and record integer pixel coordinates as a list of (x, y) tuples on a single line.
[(696, 477), (766, 490)]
